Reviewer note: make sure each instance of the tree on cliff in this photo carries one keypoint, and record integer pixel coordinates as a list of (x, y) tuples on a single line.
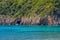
[(20, 8)]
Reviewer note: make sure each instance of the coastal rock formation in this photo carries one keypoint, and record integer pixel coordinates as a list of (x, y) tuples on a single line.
[(36, 20), (5, 20), (31, 20), (53, 20), (16, 21), (50, 20)]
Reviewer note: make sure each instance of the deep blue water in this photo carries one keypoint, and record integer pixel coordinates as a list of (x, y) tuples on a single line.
[(29, 32)]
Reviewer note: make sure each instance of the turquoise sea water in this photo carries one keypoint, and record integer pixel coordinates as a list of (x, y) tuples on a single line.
[(29, 32)]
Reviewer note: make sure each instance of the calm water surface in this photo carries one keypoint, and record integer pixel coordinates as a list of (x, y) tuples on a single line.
[(29, 32)]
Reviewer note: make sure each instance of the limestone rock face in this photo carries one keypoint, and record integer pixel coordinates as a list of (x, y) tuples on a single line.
[(50, 20), (36, 20), (59, 21), (5, 20), (25, 20), (31, 20)]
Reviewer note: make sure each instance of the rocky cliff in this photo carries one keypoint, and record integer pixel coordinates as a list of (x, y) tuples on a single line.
[(36, 20)]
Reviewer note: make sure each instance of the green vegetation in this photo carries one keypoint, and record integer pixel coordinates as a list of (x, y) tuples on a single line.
[(20, 8)]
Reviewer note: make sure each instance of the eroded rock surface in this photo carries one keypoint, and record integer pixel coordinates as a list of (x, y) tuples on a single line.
[(36, 20)]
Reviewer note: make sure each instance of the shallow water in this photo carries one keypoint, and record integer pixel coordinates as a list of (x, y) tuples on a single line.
[(29, 33), (30, 36)]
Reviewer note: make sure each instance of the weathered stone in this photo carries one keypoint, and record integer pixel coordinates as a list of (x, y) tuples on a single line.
[(50, 20), (31, 20), (36, 20)]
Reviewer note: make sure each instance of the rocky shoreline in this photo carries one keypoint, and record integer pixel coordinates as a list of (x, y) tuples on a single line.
[(36, 20)]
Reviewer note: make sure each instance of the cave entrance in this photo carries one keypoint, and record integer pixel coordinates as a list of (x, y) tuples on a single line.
[(18, 22)]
